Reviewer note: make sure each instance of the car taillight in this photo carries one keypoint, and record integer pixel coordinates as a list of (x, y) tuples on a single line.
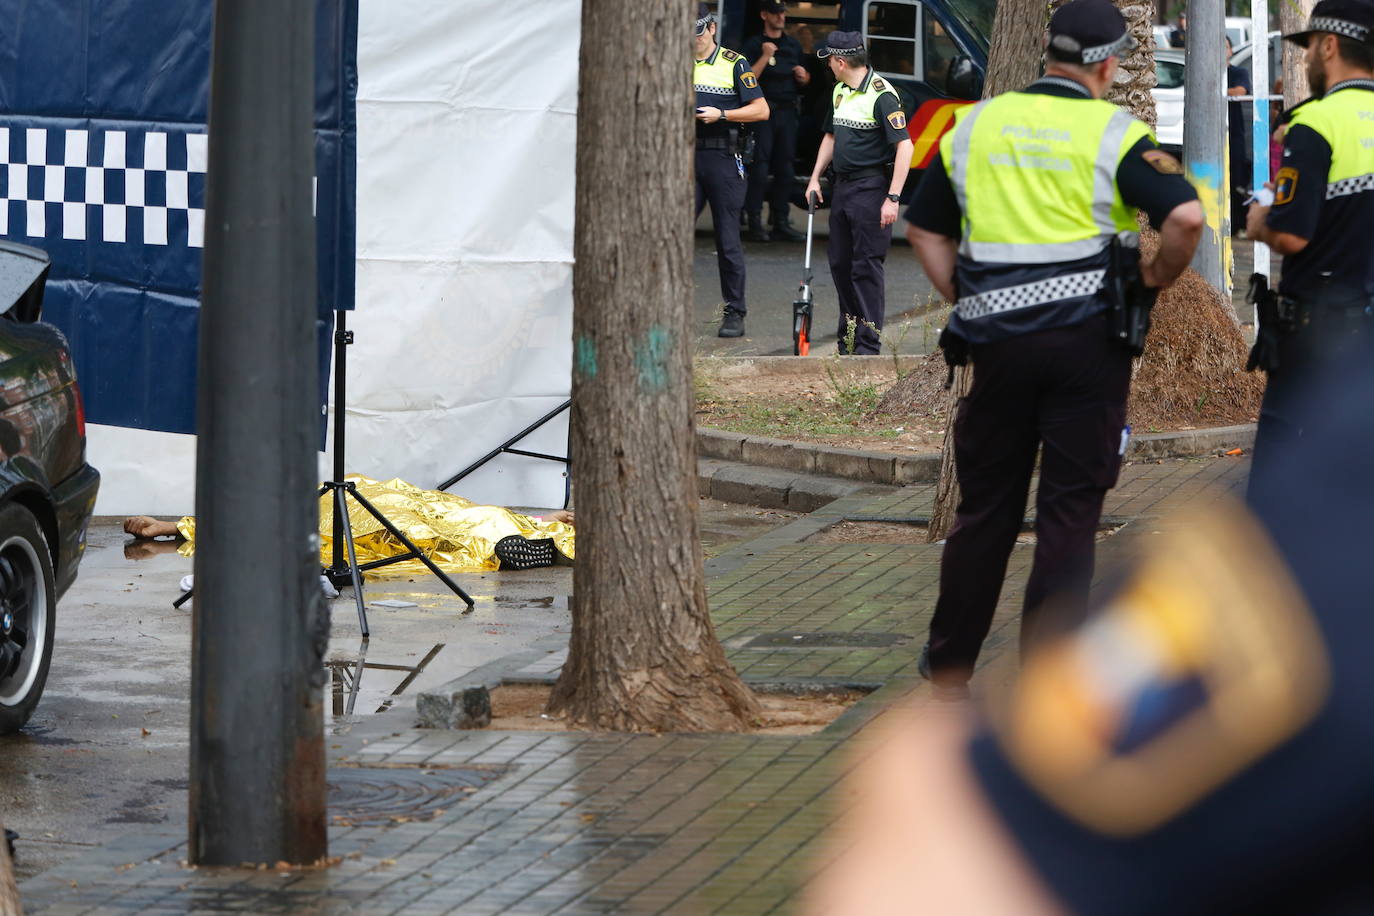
[(80, 412)]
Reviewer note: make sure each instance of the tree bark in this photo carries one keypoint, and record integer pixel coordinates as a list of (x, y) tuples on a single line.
[(1293, 15), (643, 654), (9, 891)]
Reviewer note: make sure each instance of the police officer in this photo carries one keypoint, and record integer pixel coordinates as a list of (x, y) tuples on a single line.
[(865, 139), (1322, 217), (1201, 746), (728, 95), (1017, 221), (776, 59)]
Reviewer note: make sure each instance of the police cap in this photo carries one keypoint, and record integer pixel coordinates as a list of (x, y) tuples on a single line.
[(841, 43), (704, 17), (1350, 18), (1088, 32), (773, 6)]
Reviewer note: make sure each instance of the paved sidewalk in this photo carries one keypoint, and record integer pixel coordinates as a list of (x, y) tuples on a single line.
[(508, 822)]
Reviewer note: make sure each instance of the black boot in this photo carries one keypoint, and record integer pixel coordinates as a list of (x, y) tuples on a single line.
[(733, 325), (756, 232), (783, 231)]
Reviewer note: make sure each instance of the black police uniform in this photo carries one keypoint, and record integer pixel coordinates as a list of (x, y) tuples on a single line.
[(721, 176), (1046, 375), (1225, 770), (776, 150), (1238, 142), (858, 244), (1329, 284)]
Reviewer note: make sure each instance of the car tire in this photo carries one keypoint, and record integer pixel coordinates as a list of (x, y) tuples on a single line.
[(28, 615)]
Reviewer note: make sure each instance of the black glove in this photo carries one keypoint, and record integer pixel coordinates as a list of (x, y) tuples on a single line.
[(955, 350)]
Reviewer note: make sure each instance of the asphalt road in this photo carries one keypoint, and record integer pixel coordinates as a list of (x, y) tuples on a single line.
[(774, 271), (106, 753)]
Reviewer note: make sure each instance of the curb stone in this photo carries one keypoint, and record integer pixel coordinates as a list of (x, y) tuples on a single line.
[(893, 469), (772, 488)]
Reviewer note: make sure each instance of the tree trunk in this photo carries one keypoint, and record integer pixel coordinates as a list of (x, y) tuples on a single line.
[(9, 891), (643, 654), (1293, 15)]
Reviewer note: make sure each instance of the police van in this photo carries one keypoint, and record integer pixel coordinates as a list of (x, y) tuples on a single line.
[(933, 52)]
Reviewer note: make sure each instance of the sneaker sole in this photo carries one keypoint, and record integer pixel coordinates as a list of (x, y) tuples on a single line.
[(516, 552)]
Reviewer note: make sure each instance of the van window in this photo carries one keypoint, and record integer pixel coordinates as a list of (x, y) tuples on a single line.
[(940, 51), (891, 31)]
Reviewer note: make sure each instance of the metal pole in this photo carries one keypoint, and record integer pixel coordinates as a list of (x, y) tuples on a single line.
[(1262, 82), (259, 627), (1204, 135)]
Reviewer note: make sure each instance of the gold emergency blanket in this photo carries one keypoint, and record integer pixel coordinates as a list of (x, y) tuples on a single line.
[(458, 535)]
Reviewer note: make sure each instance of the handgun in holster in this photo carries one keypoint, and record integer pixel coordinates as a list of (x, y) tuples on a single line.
[(1277, 317), (956, 352), (743, 143), (1128, 318)]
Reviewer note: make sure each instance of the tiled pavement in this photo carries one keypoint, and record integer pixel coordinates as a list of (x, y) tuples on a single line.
[(597, 823)]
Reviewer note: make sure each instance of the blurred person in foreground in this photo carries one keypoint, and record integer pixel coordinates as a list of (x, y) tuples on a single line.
[(1321, 221), (1202, 745), (1027, 221)]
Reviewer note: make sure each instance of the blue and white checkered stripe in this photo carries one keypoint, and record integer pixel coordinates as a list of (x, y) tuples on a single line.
[(97, 184)]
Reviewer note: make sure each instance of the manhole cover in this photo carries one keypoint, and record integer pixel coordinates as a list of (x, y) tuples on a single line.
[(826, 640), (377, 795)]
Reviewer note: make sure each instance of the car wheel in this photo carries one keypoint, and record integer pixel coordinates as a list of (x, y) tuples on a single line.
[(28, 615)]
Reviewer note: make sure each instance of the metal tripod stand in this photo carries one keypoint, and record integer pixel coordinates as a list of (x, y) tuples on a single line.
[(340, 573)]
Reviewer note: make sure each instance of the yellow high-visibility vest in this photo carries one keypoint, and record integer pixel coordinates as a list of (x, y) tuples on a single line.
[(1035, 176)]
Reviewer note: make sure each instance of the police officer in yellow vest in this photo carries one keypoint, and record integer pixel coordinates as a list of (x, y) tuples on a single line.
[(1017, 222), (1322, 219), (866, 140), (727, 95)]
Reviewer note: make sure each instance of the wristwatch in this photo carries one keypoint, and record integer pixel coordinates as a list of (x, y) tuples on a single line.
[(895, 198)]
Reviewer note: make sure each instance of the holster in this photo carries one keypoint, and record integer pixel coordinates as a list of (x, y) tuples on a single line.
[(1128, 317), (743, 143), (1277, 317)]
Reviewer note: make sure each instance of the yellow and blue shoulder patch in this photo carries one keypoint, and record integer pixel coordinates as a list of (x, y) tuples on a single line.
[(748, 80), (1205, 660), (1162, 162), (1285, 185), (898, 120)]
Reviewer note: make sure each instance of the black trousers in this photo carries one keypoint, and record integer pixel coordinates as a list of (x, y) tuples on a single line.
[(720, 184), (774, 156), (1331, 326), (1064, 389), (857, 249)]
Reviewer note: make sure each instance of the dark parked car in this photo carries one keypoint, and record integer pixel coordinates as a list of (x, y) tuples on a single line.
[(47, 490)]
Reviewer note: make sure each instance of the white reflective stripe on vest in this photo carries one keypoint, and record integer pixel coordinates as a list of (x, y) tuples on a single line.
[(1104, 199), (1010, 298), (1104, 172), (963, 138), (1347, 186)]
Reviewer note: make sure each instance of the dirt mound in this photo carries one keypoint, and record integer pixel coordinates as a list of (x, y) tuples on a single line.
[(919, 393), (1192, 373)]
